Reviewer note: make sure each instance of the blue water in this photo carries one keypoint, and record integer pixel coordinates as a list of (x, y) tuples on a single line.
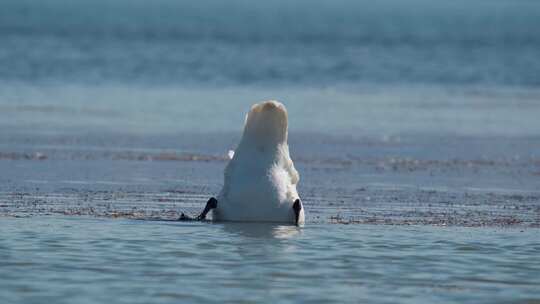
[(414, 126), (80, 260), (314, 43), (341, 67)]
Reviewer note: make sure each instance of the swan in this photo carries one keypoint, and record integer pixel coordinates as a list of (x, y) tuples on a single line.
[(260, 179)]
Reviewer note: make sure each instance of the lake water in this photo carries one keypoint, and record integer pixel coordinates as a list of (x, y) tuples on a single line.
[(67, 260), (345, 67), (414, 126)]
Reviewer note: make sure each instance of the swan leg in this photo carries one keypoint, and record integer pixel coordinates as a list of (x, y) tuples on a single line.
[(211, 204), (297, 207)]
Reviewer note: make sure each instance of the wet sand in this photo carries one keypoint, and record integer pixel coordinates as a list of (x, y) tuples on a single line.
[(399, 181)]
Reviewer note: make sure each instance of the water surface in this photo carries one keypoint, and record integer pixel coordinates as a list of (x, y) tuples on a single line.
[(414, 126), (66, 260)]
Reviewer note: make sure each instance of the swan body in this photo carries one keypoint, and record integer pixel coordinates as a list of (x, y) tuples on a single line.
[(260, 180)]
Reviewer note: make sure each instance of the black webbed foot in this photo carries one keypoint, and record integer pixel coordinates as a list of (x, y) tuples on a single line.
[(297, 207), (184, 217), (211, 204)]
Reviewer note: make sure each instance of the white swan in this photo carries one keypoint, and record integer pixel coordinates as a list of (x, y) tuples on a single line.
[(260, 179)]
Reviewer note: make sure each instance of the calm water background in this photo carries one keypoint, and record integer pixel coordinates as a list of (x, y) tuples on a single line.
[(414, 122), (354, 67)]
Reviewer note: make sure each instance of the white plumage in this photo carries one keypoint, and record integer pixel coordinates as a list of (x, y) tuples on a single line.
[(260, 179)]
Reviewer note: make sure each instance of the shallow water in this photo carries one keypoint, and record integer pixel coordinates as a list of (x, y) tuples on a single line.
[(417, 180), (84, 260), (414, 126)]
